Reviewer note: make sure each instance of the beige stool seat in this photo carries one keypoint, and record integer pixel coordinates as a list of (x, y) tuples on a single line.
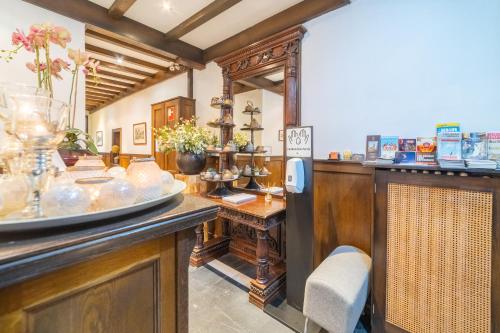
[(337, 290)]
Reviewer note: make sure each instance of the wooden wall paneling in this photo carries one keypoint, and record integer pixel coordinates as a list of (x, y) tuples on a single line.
[(343, 207), (157, 121), (102, 294)]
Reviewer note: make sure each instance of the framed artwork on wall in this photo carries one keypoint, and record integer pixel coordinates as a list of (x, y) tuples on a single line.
[(98, 138), (140, 135)]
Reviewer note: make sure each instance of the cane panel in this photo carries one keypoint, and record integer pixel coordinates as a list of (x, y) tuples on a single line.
[(439, 247)]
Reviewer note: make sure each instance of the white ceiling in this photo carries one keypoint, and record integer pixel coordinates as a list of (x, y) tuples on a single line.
[(276, 77), (230, 22)]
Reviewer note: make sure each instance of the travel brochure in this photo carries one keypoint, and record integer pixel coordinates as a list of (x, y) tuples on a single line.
[(450, 148)]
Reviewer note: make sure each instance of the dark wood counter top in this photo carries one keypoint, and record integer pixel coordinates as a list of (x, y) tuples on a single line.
[(25, 255)]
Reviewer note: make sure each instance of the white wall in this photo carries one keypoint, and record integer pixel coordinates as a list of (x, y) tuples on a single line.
[(207, 83), (19, 14), (398, 68), (134, 109), (240, 119), (272, 120)]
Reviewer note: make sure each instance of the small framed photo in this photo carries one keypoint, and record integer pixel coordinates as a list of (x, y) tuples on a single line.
[(98, 138), (140, 135), (281, 135)]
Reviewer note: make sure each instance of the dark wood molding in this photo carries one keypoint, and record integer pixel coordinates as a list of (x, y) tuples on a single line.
[(239, 88), (119, 7), (91, 13), (295, 15), (205, 14), (190, 83), (132, 60)]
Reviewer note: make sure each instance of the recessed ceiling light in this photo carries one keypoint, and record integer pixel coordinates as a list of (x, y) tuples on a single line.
[(119, 60), (166, 6)]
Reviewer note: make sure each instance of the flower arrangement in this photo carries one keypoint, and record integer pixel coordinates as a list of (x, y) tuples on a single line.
[(241, 140), (184, 137), (39, 40)]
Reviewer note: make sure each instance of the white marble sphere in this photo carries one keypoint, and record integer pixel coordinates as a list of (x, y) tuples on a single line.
[(117, 172), (117, 193), (167, 181), (14, 191), (65, 198)]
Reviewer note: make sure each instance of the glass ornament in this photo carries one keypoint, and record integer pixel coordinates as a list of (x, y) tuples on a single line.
[(65, 198), (14, 191), (93, 187), (145, 174), (90, 161), (116, 193), (167, 181), (117, 172)]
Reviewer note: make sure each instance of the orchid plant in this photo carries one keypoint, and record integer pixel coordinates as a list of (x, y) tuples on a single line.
[(39, 40)]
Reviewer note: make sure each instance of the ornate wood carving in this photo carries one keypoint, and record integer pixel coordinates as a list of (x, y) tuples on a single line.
[(253, 221)]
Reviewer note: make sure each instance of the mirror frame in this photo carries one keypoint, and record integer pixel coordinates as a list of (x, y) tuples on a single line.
[(280, 50)]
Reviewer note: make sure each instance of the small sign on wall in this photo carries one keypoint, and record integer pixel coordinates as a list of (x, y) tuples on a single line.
[(299, 142)]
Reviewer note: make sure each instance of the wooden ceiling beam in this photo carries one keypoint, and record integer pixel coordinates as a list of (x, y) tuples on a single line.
[(125, 29), (263, 83), (108, 53), (104, 71), (239, 88), (122, 84), (103, 89), (159, 77), (119, 7), (124, 68), (205, 14), (97, 94), (295, 15), (103, 85), (103, 92)]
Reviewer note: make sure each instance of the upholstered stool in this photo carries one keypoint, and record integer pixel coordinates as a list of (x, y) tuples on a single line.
[(337, 290)]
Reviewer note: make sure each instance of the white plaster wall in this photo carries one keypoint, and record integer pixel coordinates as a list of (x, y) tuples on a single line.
[(272, 120), (207, 83), (19, 14), (398, 68), (240, 119), (134, 109)]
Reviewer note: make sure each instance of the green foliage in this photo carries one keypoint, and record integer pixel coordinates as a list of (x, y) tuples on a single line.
[(240, 139), (74, 139)]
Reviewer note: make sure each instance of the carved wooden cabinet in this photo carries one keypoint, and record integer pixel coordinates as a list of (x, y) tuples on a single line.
[(169, 113), (436, 252)]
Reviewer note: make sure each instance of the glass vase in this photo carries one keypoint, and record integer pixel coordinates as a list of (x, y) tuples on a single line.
[(145, 174)]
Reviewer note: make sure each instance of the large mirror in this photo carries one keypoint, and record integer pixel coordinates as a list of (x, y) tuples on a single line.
[(258, 114)]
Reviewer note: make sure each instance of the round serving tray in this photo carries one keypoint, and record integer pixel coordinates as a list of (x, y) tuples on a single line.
[(219, 180), (252, 128), (250, 112), (255, 152), (219, 125), (68, 220), (256, 175)]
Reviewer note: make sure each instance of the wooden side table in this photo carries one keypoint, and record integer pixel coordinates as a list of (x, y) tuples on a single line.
[(261, 217)]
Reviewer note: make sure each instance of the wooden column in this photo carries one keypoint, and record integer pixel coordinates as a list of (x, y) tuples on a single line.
[(262, 256)]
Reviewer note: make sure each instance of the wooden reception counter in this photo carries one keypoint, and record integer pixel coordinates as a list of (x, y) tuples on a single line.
[(120, 275)]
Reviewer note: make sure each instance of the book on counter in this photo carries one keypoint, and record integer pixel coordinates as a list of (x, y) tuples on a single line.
[(372, 147), (449, 146), (426, 150), (405, 157), (493, 145), (239, 198), (447, 127), (474, 146), (406, 145), (388, 147), (481, 164), (452, 164)]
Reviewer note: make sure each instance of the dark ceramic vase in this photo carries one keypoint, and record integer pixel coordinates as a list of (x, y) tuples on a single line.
[(70, 157), (190, 163)]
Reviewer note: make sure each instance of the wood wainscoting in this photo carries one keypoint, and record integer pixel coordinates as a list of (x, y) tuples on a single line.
[(343, 206)]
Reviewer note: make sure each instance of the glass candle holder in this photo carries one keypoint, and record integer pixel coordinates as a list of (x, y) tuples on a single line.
[(93, 187), (145, 174), (116, 193), (14, 191), (65, 198)]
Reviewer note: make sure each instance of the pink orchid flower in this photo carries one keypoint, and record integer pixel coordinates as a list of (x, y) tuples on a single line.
[(78, 57), (60, 36), (18, 37), (32, 67)]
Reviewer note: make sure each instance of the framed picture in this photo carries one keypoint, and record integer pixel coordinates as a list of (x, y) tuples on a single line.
[(140, 135), (281, 135), (98, 138)]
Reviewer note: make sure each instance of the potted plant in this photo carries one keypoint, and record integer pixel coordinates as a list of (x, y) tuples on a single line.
[(39, 41), (189, 141)]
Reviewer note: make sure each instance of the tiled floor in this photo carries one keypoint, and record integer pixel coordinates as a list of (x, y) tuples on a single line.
[(218, 302), (219, 306)]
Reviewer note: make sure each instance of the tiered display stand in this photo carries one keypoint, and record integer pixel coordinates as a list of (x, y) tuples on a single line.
[(221, 189), (252, 183)]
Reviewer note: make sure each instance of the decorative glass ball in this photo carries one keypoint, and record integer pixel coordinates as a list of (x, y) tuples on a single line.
[(93, 187), (117, 193), (65, 198), (145, 174), (14, 190), (167, 181), (117, 172)]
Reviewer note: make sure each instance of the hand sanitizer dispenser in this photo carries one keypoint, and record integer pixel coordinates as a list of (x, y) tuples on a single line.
[(294, 175)]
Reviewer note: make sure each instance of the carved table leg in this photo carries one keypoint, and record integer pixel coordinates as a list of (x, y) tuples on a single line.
[(199, 237), (262, 256), (225, 229)]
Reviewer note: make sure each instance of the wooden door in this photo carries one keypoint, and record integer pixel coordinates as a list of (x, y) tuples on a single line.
[(171, 118), (157, 121)]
